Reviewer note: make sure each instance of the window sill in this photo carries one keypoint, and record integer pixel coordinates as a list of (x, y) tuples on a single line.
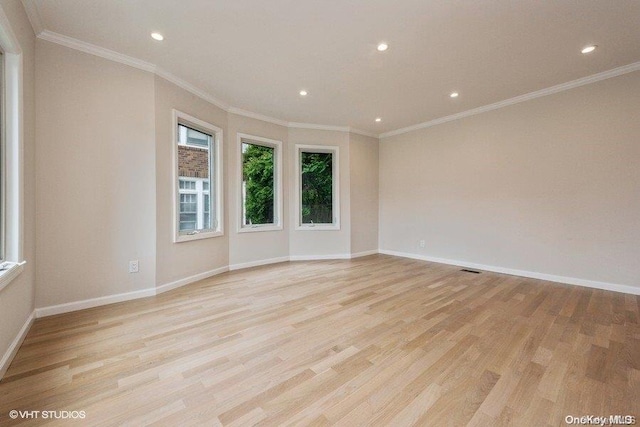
[(257, 228), (7, 276), (318, 227), (198, 236)]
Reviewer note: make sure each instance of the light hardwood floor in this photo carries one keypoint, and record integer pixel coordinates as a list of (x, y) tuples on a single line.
[(374, 341)]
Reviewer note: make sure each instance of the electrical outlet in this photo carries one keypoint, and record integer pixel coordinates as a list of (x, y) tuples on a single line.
[(422, 243), (134, 267)]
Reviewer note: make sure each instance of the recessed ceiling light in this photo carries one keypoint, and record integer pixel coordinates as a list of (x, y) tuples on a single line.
[(157, 36), (378, 119), (589, 49), (454, 94), (382, 47), (303, 93)]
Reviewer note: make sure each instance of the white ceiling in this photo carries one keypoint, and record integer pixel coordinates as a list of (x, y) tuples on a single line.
[(256, 54)]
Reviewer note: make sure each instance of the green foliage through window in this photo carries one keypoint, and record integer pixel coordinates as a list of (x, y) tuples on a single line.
[(258, 179), (317, 188)]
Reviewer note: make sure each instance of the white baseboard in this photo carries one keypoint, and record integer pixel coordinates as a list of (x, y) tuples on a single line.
[(243, 265), (523, 273), (364, 253), (128, 296), (319, 257), (8, 356), (93, 302), (191, 279)]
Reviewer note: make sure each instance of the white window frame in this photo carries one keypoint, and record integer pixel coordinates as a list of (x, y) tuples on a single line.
[(216, 199), (277, 176), (12, 196), (200, 194), (335, 151)]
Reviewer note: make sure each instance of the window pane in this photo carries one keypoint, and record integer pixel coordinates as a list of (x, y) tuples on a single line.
[(186, 135), (317, 188), (187, 185), (258, 192), (188, 211), (195, 171)]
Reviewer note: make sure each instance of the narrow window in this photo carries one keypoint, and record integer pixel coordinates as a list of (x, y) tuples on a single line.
[(198, 174), (318, 188), (260, 161)]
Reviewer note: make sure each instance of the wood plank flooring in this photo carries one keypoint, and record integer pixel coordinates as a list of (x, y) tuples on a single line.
[(373, 341)]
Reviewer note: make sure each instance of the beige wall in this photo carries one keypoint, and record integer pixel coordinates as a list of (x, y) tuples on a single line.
[(176, 261), (321, 242), (363, 157), (263, 245), (95, 164), (17, 299), (105, 174), (551, 186)]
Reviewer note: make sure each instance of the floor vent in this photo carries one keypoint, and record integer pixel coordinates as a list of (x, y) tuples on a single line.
[(466, 270)]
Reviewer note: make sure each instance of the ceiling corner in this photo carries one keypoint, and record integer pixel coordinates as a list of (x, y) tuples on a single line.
[(31, 8)]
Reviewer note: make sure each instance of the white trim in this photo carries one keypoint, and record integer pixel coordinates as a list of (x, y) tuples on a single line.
[(313, 126), (257, 116), (216, 191), (301, 258), (363, 253), (111, 55), (319, 257), (92, 49), (523, 273), (257, 228), (279, 196), (146, 66), (31, 8), (8, 356), (7, 276), (191, 279), (251, 264), (8, 40), (518, 99), (191, 88), (13, 143), (93, 302), (335, 151), (13, 161), (363, 133), (128, 296), (297, 125)]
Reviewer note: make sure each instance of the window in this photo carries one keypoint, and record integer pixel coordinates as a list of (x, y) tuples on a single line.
[(318, 195), (261, 183), (11, 148), (198, 175)]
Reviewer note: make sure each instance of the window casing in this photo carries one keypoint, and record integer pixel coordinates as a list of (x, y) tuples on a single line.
[(260, 189), (197, 153), (11, 155), (317, 187)]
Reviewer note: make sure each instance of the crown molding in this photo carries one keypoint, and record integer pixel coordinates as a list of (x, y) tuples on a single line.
[(36, 22), (92, 49), (347, 129), (518, 99), (111, 55), (191, 88), (33, 14), (297, 125), (363, 133), (262, 117)]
